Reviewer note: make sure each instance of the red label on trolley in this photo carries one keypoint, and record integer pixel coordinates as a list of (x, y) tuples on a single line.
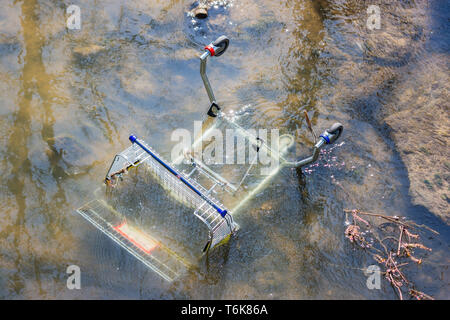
[(137, 237)]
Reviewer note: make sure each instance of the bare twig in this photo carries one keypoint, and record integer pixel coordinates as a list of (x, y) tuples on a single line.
[(400, 240), (420, 295), (394, 250)]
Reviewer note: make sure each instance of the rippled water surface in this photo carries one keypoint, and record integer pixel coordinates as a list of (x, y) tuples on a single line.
[(70, 98)]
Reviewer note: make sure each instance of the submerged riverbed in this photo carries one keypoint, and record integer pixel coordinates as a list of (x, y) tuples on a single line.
[(70, 98)]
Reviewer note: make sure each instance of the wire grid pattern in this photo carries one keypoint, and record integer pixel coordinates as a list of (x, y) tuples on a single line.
[(219, 226), (163, 263)]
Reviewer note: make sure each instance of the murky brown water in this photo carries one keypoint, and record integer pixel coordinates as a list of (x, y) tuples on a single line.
[(69, 100)]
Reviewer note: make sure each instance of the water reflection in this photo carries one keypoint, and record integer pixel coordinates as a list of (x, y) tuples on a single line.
[(70, 99), (36, 236)]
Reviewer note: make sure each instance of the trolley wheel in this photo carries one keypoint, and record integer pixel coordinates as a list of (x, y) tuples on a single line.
[(222, 43), (336, 130)]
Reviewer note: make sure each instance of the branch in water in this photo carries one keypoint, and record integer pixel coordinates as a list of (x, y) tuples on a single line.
[(395, 248)]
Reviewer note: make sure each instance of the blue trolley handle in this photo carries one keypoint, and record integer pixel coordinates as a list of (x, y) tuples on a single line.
[(133, 139)]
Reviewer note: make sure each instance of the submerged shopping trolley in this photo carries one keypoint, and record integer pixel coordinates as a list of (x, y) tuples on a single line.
[(209, 192)]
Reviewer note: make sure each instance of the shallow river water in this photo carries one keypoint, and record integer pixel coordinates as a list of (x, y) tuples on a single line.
[(70, 98)]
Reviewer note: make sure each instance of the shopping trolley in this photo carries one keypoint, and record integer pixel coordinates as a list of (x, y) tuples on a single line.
[(212, 193)]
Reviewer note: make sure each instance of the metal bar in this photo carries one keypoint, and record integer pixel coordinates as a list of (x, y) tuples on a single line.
[(211, 174), (178, 175), (192, 172), (203, 59), (247, 172), (252, 139), (310, 159)]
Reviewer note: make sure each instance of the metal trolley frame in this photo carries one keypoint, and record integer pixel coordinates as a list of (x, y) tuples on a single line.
[(185, 187)]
